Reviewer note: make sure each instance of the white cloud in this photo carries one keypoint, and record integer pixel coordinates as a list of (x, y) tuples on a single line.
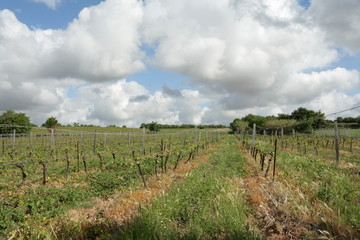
[(103, 43), (130, 104), (35, 65), (248, 46), (340, 20), (248, 56), (50, 3), (303, 88)]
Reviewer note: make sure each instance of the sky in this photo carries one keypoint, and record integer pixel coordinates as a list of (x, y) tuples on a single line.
[(126, 62)]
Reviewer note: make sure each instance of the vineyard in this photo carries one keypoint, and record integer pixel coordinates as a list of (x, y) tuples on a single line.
[(188, 184)]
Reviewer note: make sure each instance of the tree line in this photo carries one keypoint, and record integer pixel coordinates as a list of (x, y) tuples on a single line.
[(301, 120), (154, 126), (10, 121)]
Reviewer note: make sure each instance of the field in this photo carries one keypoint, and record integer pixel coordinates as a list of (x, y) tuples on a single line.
[(188, 184)]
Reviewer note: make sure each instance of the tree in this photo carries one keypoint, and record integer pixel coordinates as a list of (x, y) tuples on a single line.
[(154, 127), (238, 125), (9, 117), (258, 120), (284, 116), (51, 122), (301, 114), (304, 126), (308, 119)]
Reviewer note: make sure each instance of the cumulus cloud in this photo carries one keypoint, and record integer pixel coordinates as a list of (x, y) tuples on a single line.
[(340, 20), (103, 43), (262, 56), (255, 53), (128, 103), (38, 66), (234, 47), (303, 88)]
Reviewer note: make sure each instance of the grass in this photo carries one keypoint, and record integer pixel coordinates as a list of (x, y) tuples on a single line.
[(36, 204), (325, 181), (208, 204)]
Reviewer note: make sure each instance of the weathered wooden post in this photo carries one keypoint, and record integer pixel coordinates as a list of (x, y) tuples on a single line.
[(254, 135), (128, 139), (104, 139), (264, 134), (52, 137), (3, 146), (195, 135), (275, 150), (13, 139), (78, 156), (95, 141), (337, 152), (293, 133), (143, 140)]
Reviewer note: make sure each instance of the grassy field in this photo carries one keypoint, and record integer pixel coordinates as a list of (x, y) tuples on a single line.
[(187, 185), (327, 193)]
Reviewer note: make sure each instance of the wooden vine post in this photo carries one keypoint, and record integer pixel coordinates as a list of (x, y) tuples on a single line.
[(274, 167), (254, 135), (128, 139), (52, 138), (84, 162), (100, 161), (3, 147), (337, 152), (156, 166), (143, 140), (104, 139), (95, 141), (78, 156), (264, 134), (13, 139), (67, 163), (293, 133), (195, 135)]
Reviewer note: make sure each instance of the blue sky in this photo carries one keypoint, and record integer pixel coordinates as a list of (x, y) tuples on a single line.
[(125, 62), (39, 15)]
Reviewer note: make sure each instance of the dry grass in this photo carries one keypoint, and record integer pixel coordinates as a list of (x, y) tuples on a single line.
[(283, 211)]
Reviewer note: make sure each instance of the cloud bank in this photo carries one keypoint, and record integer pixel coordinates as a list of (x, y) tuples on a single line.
[(243, 56)]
